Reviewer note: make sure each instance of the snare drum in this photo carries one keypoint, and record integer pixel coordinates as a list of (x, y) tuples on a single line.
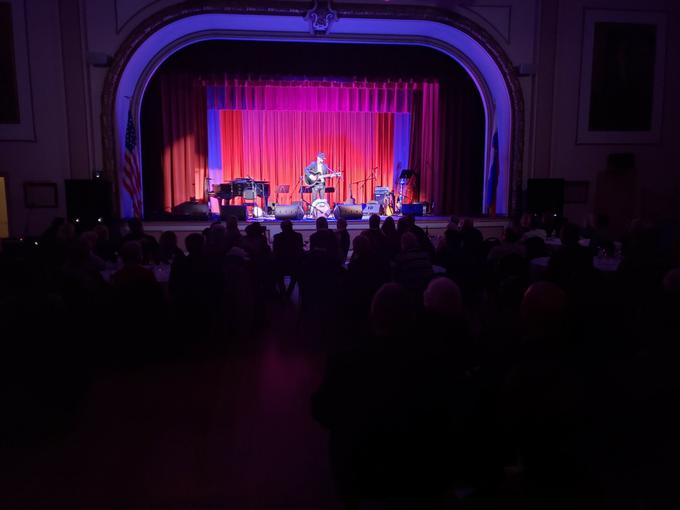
[(320, 208)]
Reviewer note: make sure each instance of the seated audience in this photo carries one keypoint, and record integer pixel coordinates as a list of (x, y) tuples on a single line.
[(168, 250), (233, 234), (325, 240), (389, 229), (288, 251), (147, 242), (412, 266), (343, 239), (376, 237), (571, 264)]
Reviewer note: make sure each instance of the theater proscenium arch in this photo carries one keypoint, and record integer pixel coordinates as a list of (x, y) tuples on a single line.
[(163, 34)]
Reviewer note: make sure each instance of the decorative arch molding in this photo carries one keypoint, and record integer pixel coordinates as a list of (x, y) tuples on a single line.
[(171, 29)]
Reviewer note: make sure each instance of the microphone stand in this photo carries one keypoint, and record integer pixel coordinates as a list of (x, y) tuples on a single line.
[(311, 207), (363, 183)]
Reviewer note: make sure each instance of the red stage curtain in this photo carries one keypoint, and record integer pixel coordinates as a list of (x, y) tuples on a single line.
[(425, 157), (462, 147), (184, 139), (271, 130), (276, 146), (317, 96)]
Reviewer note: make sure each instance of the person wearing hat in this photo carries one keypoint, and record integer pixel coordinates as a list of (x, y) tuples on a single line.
[(315, 174)]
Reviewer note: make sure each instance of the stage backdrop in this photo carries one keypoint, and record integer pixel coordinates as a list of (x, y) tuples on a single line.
[(271, 129)]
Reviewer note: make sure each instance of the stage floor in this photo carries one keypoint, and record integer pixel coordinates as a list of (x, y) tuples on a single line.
[(434, 225)]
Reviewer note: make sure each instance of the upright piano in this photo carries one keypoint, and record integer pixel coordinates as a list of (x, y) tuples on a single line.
[(246, 188)]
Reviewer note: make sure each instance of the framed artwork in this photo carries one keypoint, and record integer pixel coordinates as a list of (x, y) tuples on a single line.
[(622, 73), (41, 195), (16, 98)]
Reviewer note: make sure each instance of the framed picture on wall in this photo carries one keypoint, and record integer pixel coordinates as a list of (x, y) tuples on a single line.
[(622, 73), (16, 100)]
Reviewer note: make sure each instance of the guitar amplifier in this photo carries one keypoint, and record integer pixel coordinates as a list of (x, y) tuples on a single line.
[(372, 207), (381, 192)]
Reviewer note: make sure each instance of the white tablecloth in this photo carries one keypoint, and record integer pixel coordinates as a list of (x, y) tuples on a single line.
[(604, 264), (556, 241), (160, 271)]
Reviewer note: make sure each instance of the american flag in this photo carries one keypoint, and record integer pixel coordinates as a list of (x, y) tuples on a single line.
[(132, 180)]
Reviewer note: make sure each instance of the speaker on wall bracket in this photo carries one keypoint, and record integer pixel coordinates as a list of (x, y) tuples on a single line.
[(545, 195), (88, 202)]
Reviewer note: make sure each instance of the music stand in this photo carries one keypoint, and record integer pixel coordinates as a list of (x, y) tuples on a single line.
[(305, 189), (404, 177), (250, 193)]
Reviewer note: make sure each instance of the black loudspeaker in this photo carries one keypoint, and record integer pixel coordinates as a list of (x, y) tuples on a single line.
[(545, 195), (88, 202), (348, 211), (288, 212), (412, 209), (191, 209), (240, 211)]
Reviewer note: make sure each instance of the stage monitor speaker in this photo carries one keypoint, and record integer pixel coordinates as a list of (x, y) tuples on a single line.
[(191, 209), (412, 209), (372, 207), (239, 211), (545, 195), (88, 202), (348, 211), (288, 212)]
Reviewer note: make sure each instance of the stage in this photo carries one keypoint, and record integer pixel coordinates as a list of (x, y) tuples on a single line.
[(434, 225)]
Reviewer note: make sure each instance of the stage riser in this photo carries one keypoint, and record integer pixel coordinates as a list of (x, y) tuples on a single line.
[(435, 227)]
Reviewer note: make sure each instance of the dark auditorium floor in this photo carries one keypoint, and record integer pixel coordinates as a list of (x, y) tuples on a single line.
[(229, 429)]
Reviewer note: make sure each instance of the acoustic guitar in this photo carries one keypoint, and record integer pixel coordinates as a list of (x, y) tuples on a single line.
[(388, 208), (311, 179)]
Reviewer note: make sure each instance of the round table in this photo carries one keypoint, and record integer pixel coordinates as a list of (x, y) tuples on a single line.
[(604, 264)]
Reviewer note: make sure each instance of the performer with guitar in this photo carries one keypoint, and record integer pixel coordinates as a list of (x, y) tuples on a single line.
[(315, 176)]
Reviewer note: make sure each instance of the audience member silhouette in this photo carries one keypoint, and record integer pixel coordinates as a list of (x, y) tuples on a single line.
[(377, 237), (389, 228), (343, 239), (412, 266), (324, 240), (288, 251), (167, 249), (147, 242)]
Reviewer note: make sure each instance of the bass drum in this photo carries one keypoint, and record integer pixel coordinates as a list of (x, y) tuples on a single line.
[(320, 208)]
